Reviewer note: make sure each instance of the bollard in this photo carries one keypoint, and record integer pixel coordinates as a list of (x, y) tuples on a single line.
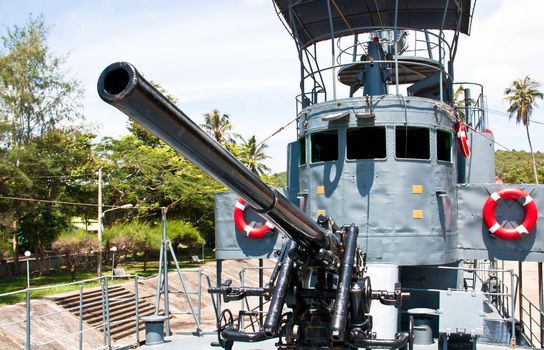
[(154, 329)]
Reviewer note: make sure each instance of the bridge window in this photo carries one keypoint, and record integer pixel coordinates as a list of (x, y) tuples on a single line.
[(366, 143), (443, 145), (324, 146), (302, 151), (412, 142)]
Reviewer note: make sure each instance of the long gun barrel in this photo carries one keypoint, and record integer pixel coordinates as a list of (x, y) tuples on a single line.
[(123, 87)]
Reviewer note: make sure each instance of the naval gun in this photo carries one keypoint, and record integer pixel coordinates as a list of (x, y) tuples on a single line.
[(319, 295)]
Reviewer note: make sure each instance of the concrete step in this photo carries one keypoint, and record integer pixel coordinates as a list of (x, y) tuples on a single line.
[(86, 294), (92, 300), (119, 314), (97, 308)]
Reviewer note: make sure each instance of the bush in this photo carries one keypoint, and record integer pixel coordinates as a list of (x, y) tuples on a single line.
[(76, 245)]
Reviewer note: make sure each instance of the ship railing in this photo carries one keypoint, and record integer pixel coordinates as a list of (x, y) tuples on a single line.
[(431, 46), (319, 95), (30, 315), (75, 337), (192, 293), (531, 321), (245, 305), (423, 49), (503, 297), (471, 109)]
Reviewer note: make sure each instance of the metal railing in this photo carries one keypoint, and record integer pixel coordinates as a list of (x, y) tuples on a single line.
[(530, 320), (503, 298), (78, 310), (245, 304), (530, 315)]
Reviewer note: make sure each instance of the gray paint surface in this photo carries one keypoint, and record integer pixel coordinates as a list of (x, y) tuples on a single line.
[(475, 242), (231, 243), (378, 194)]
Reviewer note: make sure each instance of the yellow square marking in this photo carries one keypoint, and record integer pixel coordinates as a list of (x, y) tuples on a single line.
[(320, 190), (417, 189), (321, 212), (417, 214)]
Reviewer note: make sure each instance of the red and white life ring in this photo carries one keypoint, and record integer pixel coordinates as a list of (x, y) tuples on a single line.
[(462, 136), (531, 214), (240, 221)]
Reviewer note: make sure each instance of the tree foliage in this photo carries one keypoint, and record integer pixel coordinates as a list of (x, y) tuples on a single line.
[(41, 156), (522, 95), (516, 166), (35, 94), (75, 245), (252, 155), (136, 236), (47, 160)]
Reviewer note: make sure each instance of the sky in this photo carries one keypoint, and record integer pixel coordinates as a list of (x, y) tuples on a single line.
[(236, 56)]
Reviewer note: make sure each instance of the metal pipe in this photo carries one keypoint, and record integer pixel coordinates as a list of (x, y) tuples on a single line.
[(27, 343), (200, 295), (137, 310), (242, 305), (81, 316), (159, 279), (513, 309), (234, 335), (341, 303), (520, 292), (331, 26), (107, 310), (123, 87), (165, 271), (395, 47), (198, 328), (541, 304), (277, 301), (261, 285), (103, 312), (99, 257)]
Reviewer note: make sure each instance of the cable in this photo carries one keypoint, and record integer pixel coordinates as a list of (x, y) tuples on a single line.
[(55, 202), (493, 111), (276, 132)]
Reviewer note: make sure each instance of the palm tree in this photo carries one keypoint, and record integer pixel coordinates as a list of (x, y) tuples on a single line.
[(522, 95), (252, 155), (218, 126)]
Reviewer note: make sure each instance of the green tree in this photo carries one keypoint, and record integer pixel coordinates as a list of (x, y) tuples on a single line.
[(516, 166), (35, 95), (75, 246), (37, 101), (253, 155), (522, 95), (53, 167), (157, 176), (219, 127)]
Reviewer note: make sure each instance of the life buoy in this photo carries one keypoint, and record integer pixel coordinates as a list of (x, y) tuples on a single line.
[(462, 136), (240, 221), (531, 214)]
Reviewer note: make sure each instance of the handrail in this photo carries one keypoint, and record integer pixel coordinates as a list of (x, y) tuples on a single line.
[(532, 320)]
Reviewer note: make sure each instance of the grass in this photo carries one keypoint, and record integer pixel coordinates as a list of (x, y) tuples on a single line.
[(55, 280)]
